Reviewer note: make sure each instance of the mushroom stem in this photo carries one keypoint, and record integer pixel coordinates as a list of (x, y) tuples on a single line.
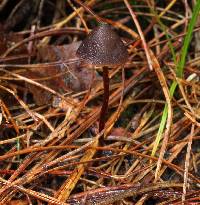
[(104, 108)]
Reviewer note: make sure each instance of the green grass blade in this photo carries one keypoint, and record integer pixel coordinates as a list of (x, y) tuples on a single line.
[(179, 72)]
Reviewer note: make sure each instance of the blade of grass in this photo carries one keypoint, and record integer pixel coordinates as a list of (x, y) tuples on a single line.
[(165, 112), (179, 72)]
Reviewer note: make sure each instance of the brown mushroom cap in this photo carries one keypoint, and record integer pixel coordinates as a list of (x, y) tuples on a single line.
[(103, 47)]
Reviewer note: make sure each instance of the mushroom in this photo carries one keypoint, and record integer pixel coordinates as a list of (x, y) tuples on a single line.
[(103, 47)]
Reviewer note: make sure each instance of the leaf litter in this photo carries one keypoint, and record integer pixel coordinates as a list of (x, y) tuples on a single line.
[(51, 102)]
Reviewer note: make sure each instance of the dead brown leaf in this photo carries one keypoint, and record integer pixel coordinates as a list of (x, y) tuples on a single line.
[(64, 77)]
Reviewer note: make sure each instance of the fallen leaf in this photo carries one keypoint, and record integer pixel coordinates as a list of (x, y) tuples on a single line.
[(64, 77)]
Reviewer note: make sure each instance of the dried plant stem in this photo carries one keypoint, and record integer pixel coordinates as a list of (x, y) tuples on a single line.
[(141, 34), (112, 194), (187, 164), (66, 20), (89, 10)]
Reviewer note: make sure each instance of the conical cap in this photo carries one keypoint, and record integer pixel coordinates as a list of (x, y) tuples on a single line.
[(103, 47)]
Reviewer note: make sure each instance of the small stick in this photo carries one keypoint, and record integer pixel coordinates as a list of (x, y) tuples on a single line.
[(108, 195), (98, 18)]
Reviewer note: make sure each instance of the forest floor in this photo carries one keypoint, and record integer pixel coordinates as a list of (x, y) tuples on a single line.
[(53, 150)]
